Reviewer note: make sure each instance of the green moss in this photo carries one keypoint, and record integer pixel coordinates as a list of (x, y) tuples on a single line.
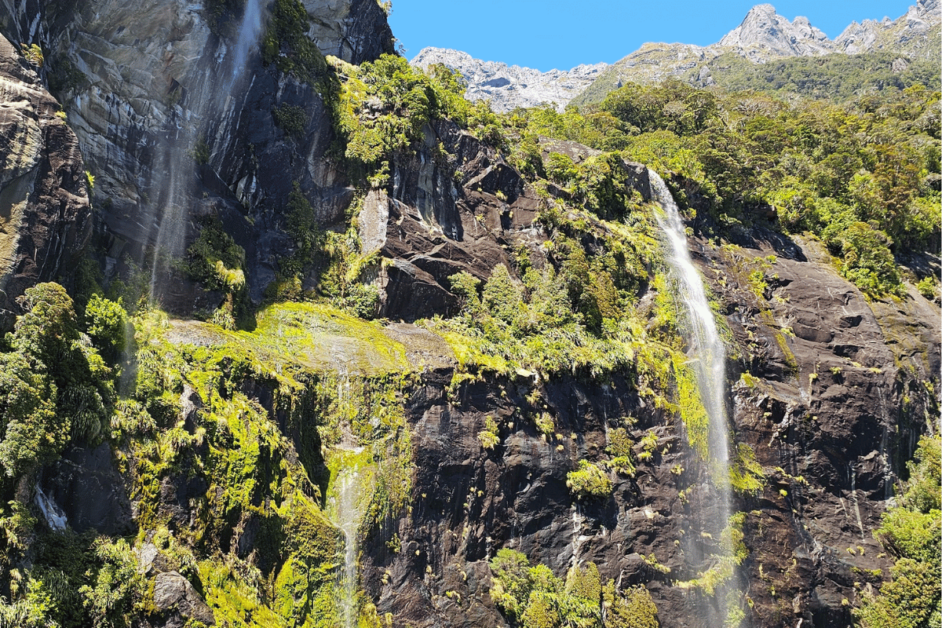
[(790, 360), (749, 380), (694, 415), (745, 473), (620, 449), (725, 566), (315, 337), (291, 118), (490, 435), (533, 597), (632, 608)]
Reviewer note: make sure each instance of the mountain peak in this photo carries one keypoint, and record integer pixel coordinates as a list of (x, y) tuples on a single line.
[(764, 28), (763, 9)]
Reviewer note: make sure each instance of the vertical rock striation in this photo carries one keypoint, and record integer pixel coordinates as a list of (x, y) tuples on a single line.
[(45, 217)]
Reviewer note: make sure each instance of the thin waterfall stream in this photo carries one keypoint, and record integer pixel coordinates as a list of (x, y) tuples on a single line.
[(347, 515), (707, 357), (212, 94)]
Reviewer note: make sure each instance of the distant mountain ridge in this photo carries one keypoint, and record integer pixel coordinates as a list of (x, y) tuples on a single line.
[(763, 36), (509, 87)]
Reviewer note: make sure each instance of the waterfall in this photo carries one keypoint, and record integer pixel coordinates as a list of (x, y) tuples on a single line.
[(210, 95), (249, 31), (347, 519), (707, 356)]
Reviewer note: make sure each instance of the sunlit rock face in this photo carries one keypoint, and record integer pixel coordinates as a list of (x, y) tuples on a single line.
[(144, 82), (45, 218), (764, 29)]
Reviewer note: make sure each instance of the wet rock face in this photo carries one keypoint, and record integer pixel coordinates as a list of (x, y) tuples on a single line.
[(144, 83), (462, 209), (820, 403), (45, 217), (90, 492), (817, 374)]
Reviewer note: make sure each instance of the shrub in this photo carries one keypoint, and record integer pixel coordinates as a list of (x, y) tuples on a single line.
[(489, 436), (533, 597), (911, 532), (106, 323), (589, 481), (619, 448), (291, 118)]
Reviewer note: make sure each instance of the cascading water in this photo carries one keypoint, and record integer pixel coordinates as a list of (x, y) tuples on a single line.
[(708, 359), (210, 94), (347, 518), (249, 31)]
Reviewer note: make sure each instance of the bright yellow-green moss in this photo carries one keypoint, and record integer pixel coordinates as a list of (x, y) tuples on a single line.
[(725, 567), (256, 467), (695, 417), (321, 337), (534, 597), (745, 473), (589, 481), (790, 360)]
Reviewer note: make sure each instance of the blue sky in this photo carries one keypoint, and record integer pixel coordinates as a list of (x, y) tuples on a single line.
[(549, 34)]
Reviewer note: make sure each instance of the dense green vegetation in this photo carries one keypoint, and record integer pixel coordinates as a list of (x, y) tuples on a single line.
[(834, 77), (266, 466), (533, 597), (855, 175), (912, 533), (385, 105)]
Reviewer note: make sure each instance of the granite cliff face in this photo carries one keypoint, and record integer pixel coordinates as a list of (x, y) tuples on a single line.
[(45, 217), (773, 35), (144, 84), (831, 390), (915, 34)]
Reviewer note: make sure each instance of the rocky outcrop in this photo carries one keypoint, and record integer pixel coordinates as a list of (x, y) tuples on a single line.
[(90, 491), (772, 34), (463, 214), (467, 212), (916, 34), (45, 215), (175, 596), (510, 87)]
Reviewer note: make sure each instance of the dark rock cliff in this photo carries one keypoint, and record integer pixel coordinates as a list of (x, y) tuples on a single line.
[(143, 84), (828, 388), (831, 395)]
